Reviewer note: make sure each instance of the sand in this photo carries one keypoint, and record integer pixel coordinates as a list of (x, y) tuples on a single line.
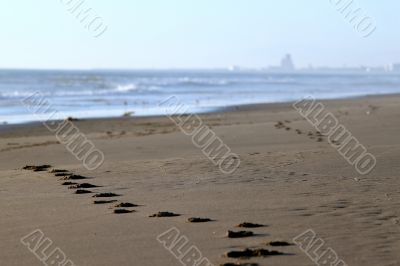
[(286, 181)]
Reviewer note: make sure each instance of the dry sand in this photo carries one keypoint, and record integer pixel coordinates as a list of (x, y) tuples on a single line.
[(286, 181)]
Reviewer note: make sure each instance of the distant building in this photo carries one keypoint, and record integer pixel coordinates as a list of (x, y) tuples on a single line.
[(396, 68), (287, 63)]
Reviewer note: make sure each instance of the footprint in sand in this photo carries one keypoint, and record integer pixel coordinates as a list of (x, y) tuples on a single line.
[(126, 205), (279, 244), (104, 201), (54, 171), (69, 183), (239, 234), (122, 211), (83, 191), (249, 225), (239, 264), (74, 177), (83, 185), (63, 174), (249, 253), (199, 220), (37, 168), (105, 195), (279, 125), (164, 214)]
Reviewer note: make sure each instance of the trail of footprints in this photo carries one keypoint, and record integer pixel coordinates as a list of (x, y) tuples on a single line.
[(318, 136), (70, 180)]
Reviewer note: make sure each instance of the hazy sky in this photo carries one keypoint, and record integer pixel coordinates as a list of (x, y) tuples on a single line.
[(195, 34)]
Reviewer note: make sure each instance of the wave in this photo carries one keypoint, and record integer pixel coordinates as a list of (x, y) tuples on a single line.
[(118, 89), (25, 93), (127, 87)]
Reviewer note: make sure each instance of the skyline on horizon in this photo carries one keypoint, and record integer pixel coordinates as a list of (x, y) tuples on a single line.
[(287, 64)]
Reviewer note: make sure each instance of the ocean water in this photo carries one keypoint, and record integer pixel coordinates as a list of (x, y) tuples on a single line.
[(90, 94)]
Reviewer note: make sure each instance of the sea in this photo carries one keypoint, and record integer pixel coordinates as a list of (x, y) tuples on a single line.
[(101, 93)]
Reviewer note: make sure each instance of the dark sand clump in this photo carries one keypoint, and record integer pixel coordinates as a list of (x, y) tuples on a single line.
[(126, 205), (239, 264), (105, 195), (63, 174), (279, 125), (37, 168), (83, 191), (248, 253), (104, 201), (232, 234), (279, 244), (69, 183), (199, 220), (249, 225), (74, 177), (58, 171), (165, 214), (83, 185), (122, 211)]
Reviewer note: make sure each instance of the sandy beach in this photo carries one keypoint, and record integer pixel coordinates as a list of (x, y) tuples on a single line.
[(290, 180)]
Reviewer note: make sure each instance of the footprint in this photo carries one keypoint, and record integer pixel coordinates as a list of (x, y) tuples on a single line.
[(69, 183), (239, 234), (336, 142), (83, 191), (58, 171), (83, 185), (279, 244), (74, 177), (104, 201), (105, 195), (37, 168), (249, 225), (279, 125), (122, 211), (239, 264), (248, 253), (126, 205), (199, 220), (165, 214), (63, 174)]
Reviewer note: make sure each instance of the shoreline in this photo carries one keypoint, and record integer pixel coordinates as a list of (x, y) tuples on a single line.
[(215, 110)]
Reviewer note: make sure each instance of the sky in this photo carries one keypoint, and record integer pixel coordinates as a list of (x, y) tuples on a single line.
[(195, 34)]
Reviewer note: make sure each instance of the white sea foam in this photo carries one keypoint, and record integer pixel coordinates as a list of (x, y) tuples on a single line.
[(127, 87)]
